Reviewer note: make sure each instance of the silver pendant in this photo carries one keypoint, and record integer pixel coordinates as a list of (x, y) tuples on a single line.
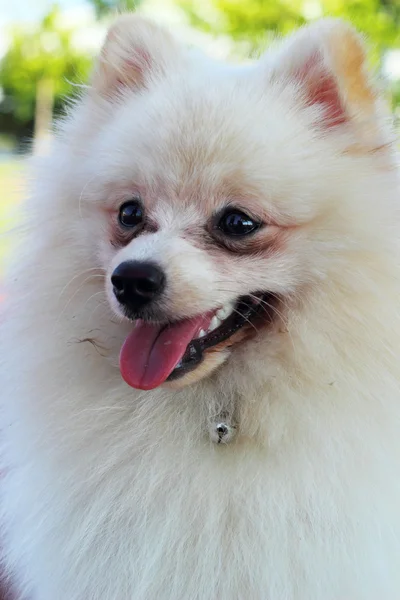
[(222, 430)]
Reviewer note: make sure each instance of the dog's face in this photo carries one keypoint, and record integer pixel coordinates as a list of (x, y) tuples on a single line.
[(211, 186)]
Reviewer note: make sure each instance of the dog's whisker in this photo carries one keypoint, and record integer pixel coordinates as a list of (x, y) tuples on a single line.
[(100, 304), (101, 292), (82, 193), (245, 319), (99, 409), (89, 276), (74, 295), (265, 305)]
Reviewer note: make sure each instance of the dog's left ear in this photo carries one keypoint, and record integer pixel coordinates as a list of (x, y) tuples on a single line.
[(326, 62), (136, 52)]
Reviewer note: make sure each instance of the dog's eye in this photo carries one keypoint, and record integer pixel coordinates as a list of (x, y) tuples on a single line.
[(237, 223), (131, 213)]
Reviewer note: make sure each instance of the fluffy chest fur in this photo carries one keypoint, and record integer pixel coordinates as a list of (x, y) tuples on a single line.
[(129, 492)]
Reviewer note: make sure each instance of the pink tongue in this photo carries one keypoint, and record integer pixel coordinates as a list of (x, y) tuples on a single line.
[(151, 352)]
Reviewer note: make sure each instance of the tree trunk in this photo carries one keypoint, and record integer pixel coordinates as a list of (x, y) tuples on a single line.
[(43, 115)]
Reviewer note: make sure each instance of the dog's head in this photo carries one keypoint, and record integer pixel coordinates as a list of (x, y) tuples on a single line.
[(222, 193)]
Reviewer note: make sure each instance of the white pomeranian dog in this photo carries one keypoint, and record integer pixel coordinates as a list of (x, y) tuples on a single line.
[(200, 350)]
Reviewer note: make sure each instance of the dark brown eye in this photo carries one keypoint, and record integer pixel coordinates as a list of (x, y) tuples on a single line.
[(131, 213), (237, 223)]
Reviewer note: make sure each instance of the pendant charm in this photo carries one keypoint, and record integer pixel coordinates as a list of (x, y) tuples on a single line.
[(222, 430)]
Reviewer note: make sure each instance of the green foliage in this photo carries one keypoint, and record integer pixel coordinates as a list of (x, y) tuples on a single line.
[(44, 53), (253, 20), (103, 7)]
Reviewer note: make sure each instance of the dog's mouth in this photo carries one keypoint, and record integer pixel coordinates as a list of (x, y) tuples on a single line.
[(156, 353)]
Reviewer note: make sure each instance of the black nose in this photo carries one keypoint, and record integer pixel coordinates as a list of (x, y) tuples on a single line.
[(137, 283)]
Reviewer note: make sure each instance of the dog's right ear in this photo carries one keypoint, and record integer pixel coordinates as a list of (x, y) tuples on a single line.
[(136, 51)]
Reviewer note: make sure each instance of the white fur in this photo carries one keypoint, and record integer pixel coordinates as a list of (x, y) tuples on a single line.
[(114, 494)]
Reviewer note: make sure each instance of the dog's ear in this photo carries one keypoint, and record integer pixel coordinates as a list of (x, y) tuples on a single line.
[(326, 61), (136, 51)]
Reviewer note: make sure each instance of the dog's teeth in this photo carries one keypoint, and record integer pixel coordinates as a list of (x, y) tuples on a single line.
[(215, 322), (224, 312), (202, 333)]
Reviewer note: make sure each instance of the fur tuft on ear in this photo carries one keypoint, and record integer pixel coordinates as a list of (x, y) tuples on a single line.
[(135, 52), (327, 62)]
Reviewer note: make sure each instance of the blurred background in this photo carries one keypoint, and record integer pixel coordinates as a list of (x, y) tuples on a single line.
[(47, 48)]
